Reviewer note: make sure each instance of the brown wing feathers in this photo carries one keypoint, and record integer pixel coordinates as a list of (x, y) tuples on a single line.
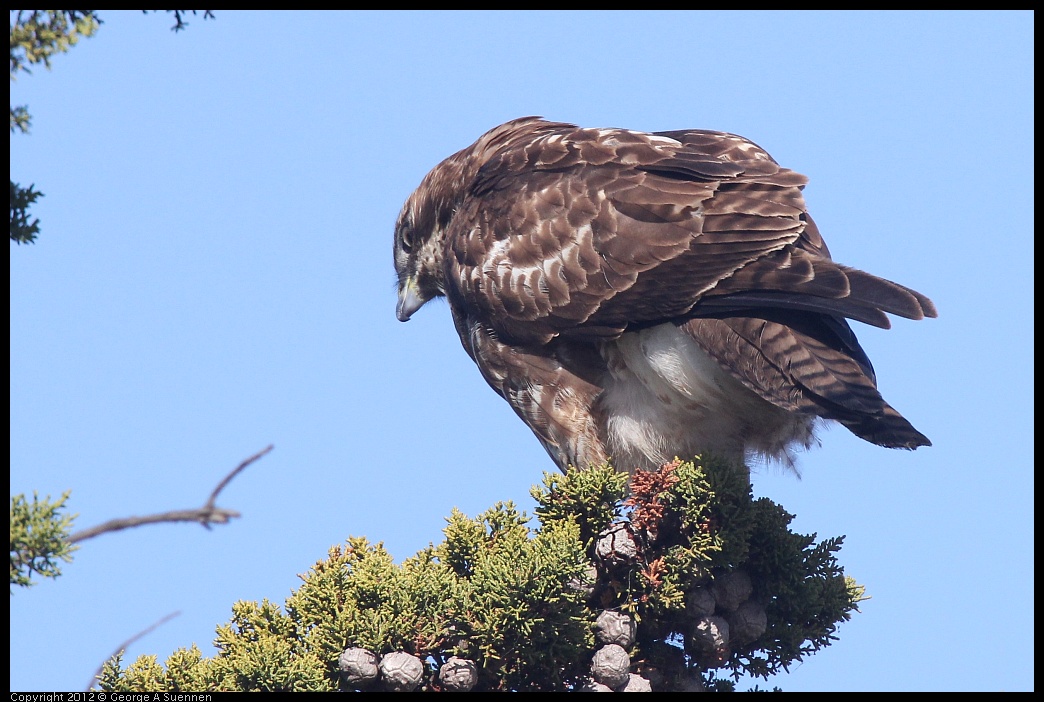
[(814, 282)]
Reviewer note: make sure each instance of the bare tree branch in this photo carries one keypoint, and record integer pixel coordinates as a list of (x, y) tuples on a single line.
[(123, 646), (206, 515)]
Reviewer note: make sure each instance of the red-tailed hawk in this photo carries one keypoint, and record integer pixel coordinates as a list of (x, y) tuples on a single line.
[(637, 297)]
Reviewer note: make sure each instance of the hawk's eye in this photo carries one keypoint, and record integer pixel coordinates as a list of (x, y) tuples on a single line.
[(407, 237)]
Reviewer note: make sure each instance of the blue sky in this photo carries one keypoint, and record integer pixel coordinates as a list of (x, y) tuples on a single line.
[(214, 275)]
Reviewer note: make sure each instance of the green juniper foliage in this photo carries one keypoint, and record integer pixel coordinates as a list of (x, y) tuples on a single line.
[(520, 600), (24, 227), (38, 538)]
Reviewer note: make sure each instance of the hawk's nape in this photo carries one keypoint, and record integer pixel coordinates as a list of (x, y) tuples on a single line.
[(637, 297)]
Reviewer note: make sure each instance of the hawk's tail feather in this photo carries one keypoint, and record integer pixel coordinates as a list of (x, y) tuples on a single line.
[(805, 363), (889, 429)]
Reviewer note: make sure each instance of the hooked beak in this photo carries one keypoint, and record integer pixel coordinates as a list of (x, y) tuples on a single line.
[(409, 301)]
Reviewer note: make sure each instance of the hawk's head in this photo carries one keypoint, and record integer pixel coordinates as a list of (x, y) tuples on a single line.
[(420, 233), (420, 241)]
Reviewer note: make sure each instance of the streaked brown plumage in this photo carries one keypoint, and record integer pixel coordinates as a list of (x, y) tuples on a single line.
[(640, 296)]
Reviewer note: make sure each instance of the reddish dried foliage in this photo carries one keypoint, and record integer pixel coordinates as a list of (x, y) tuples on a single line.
[(654, 572), (647, 490)]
